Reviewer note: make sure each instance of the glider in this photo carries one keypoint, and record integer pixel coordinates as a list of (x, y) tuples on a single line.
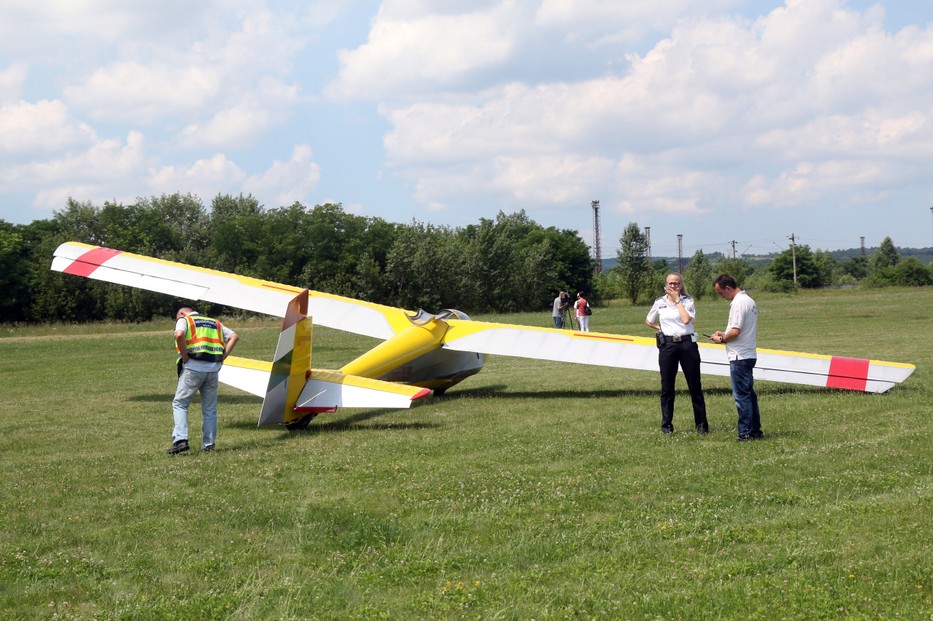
[(420, 351)]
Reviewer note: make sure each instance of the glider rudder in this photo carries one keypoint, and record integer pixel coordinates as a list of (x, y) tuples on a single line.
[(291, 365)]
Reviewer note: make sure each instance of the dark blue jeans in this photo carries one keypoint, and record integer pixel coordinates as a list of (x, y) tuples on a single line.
[(746, 401)]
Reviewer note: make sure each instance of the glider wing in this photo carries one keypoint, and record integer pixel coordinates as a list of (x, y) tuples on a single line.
[(813, 369), (198, 283), (633, 352), (610, 350)]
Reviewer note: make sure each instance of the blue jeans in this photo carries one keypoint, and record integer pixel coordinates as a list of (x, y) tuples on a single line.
[(746, 401), (189, 383), (558, 321)]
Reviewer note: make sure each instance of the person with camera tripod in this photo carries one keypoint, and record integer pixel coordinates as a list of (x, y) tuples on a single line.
[(672, 316)]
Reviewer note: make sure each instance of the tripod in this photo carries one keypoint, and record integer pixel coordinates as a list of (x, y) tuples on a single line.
[(567, 315)]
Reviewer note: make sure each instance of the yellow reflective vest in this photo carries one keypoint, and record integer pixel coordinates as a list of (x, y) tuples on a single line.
[(204, 338)]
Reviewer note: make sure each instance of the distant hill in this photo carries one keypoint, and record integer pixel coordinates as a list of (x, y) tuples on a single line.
[(924, 255)]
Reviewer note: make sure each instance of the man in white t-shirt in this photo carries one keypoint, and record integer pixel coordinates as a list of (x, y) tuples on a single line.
[(557, 310), (740, 339)]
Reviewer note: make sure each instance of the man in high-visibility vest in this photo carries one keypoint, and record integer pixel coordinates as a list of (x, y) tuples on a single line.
[(203, 344)]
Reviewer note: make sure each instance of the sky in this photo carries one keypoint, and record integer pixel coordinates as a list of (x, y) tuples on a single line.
[(733, 123)]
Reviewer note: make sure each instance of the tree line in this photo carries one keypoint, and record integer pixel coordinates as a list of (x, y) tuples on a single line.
[(508, 264), (635, 276)]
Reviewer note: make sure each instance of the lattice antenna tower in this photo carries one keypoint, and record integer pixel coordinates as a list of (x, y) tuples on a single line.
[(597, 250)]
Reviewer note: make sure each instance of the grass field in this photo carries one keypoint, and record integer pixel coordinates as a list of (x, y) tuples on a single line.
[(531, 491)]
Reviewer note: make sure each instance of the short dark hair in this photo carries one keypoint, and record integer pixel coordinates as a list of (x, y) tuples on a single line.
[(725, 280)]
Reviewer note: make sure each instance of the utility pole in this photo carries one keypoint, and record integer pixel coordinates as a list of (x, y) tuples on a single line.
[(863, 240), (931, 210), (596, 249), (733, 248), (793, 255), (648, 242), (680, 253)]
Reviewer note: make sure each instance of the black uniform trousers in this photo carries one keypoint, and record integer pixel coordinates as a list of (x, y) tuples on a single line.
[(687, 355)]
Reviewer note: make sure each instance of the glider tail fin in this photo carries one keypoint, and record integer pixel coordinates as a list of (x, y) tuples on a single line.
[(291, 366), (295, 393)]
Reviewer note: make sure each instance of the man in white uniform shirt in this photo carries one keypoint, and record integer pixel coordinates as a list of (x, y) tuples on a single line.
[(740, 338)]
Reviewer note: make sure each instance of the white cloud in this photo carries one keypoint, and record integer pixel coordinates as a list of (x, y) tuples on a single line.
[(11, 81), (41, 128), (555, 179), (790, 87), (244, 123), (98, 172), (287, 182), (33, 27), (205, 177), (144, 93), (410, 51), (235, 68)]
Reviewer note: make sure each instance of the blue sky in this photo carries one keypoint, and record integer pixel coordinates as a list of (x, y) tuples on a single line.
[(725, 121)]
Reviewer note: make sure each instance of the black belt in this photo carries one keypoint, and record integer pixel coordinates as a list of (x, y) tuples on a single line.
[(679, 338)]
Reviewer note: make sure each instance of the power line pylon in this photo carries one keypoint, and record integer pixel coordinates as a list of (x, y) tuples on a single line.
[(596, 244)]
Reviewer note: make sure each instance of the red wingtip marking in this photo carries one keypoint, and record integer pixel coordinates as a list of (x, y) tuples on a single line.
[(423, 393), (90, 261), (848, 373)]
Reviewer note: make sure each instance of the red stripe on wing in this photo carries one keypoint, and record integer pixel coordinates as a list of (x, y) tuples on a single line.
[(848, 373), (90, 261)]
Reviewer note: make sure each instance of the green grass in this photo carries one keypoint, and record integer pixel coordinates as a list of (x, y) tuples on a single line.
[(532, 491)]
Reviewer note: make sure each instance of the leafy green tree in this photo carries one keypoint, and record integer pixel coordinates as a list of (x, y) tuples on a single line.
[(14, 299), (826, 267), (698, 275), (237, 235), (369, 280), (738, 268), (808, 274), (910, 272), (632, 261), (178, 228), (857, 267), (80, 221), (516, 264), (567, 264), (654, 284), (423, 267), (885, 257)]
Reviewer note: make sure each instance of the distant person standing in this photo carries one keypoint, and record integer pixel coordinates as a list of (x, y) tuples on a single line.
[(583, 312), (557, 311), (672, 316), (202, 344), (740, 338)]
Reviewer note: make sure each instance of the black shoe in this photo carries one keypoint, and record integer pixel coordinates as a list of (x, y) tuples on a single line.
[(208, 448), (179, 446), (745, 438), (756, 435), (667, 430), (702, 429)]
